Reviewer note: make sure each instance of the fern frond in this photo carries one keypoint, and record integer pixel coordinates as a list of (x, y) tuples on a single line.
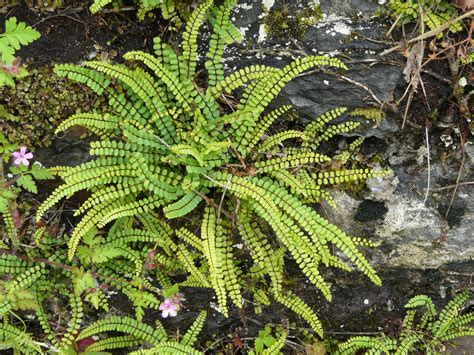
[(112, 343), (189, 44), (211, 248), (125, 325), (277, 345), (190, 337), (298, 306)]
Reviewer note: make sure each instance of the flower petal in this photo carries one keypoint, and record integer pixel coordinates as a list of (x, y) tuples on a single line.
[(28, 155), (23, 150), (25, 161), (173, 312), (16, 154)]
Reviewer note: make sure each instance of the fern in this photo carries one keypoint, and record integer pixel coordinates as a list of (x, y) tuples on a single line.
[(434, 12), (423, 333), (168, 7), (138, 332), (167, 147)]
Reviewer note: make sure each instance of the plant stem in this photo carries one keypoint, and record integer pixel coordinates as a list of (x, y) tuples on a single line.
[(428, 34)]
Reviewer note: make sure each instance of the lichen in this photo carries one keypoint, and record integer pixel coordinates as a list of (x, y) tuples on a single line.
[(30, 112), (283, 23)]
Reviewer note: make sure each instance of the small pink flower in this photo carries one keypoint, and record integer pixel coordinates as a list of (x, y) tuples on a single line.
[(168, 308), (21, 157)]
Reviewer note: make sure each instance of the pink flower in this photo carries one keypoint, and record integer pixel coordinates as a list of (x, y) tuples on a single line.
[(22, 157), (168, 308)]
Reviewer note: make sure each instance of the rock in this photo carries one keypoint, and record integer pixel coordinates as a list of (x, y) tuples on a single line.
[(348, 29)]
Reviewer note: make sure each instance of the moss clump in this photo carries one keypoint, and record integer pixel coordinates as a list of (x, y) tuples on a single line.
[(30, 112), (287, 24)]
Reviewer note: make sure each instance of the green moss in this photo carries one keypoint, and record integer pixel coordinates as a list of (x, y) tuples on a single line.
[(286, 24), (33, 109)]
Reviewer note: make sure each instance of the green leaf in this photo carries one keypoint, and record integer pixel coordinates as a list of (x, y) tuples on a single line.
[(27, 182), (259, 345), (82, 281), (16, 35), (40, 173), (170, 291)]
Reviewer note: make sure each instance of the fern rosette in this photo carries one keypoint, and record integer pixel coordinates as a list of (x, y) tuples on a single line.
[(169, 149)]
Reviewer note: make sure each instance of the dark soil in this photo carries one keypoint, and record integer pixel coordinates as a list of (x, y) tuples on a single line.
[(70, 34)]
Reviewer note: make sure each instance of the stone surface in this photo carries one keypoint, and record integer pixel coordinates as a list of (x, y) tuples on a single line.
[(416, 240)]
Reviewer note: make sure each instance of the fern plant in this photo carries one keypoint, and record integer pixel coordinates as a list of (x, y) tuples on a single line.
[(434, 13), (169, 8), (169, 149), (423, 329), (136, 333)]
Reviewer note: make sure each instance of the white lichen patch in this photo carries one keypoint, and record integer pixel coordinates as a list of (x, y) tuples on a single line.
[(335, 24), (262, 33), (268, 4)]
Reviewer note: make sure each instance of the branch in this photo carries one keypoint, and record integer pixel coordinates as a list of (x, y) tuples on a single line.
[(428, 34)]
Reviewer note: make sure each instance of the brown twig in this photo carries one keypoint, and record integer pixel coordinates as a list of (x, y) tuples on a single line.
[(428, 34), (449, 187)]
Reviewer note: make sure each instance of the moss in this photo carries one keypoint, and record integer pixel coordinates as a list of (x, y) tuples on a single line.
[(39, 102), (286, 24)]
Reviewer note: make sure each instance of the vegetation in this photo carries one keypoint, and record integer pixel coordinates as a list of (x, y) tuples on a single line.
[(195, 180), (432, 12), (422, 329), (16, 34), (169, 8), (168, 149), (285, 23)]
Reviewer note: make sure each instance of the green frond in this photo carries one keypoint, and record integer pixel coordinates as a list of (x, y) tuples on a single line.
[(278, 138), (124, 325), (143, 85), (96, 81), (336, 177), (101, 124), (298, 306), (98, 5), (370, 113), (183, 206), (276, 347), (265, 92), (449, 314), (11, 265), (189, 238), (77, 314), (240, 78), (17, 339), (219, 38), (189, 44), (185, 257), (169, 348), (212, 242), (290, 161), (334, 130), (354, 344), (114, 211), (317, 126), (112, 343), (190, 337), (260, 249)]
